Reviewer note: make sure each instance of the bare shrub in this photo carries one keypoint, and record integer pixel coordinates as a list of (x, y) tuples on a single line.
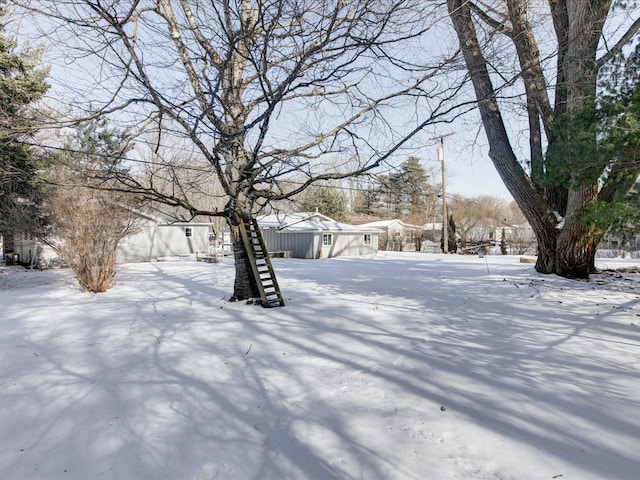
[(87, 227)]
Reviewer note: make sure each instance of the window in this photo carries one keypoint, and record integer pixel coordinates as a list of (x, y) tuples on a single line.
[(188, 232), (327, 239), (367, 239)]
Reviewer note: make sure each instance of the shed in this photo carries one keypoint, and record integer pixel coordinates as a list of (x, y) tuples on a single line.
[(161, 234), (313, 235)]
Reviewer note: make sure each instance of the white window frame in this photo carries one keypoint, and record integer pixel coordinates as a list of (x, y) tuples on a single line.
[(366, 239), (327, 239)]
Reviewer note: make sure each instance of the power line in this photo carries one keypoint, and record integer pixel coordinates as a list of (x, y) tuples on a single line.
[(109, 157), (155, 163)]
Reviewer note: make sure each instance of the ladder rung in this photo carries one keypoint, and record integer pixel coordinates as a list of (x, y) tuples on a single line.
[(261, 265)]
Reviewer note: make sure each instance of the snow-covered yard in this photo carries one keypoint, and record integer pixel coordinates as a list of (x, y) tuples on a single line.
[(398, 366)]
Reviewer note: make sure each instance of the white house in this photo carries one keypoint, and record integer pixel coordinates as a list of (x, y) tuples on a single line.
[(396, 235), (159, 235), (162, 234), (30, 250), (313, 235)]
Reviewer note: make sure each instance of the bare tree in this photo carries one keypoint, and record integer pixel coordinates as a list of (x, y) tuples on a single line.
[(566, 183), (266, 91), (178, 177), (521, 240), (513, 214), (478, 218)]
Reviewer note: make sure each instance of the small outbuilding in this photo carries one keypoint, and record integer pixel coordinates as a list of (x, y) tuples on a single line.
[(161, 234), (313, 235)]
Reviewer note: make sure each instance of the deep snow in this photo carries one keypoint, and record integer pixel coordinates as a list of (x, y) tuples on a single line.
[(397, 366)]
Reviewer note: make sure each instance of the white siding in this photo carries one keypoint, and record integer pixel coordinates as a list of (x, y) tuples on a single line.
[(309, 244)]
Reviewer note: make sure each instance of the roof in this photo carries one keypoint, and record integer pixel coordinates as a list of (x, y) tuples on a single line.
[(167, 218), (381, 223), (432, 226), (388, 223), (309, 222)]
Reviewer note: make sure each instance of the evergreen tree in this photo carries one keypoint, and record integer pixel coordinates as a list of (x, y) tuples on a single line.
[(406, 190), (451, 236), (22, 83), (503, 243), (367, 200), (616, 123), (327, 200), (416, 185)]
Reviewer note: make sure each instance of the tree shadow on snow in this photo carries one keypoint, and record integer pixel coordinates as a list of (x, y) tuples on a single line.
[(161, 378)]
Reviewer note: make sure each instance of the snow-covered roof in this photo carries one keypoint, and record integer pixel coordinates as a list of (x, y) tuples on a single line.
[(381, 223), (309, 222), (432, 226), (388, 223), (169, 218)]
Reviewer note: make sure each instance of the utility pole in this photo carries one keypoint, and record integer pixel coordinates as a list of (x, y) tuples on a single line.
[(445, 217)]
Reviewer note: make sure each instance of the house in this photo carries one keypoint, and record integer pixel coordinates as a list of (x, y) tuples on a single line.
[(519, 239), (313, 235), (30, 250), (398, 236), (161, 234), (158, 234)]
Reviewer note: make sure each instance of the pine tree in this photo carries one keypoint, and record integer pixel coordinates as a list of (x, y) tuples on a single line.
[(617, 126), (325, 199), (451, 237), (503, 243), (416, 186), (407, 190), (22, 83), (367, 200)]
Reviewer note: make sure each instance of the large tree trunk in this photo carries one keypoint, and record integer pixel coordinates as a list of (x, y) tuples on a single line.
[(245, 286), (530, 200), (577, 244), (569, 251), (578, 240)]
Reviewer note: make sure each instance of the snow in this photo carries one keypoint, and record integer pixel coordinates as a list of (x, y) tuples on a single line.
[(310, 222), (394, 366)]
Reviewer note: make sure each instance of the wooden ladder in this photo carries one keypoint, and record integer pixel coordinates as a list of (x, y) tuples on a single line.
[(270, 294)]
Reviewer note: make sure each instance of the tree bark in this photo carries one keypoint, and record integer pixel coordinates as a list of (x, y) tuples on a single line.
[(570, 250), (578, 241), (519, 184), (245, 285)]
